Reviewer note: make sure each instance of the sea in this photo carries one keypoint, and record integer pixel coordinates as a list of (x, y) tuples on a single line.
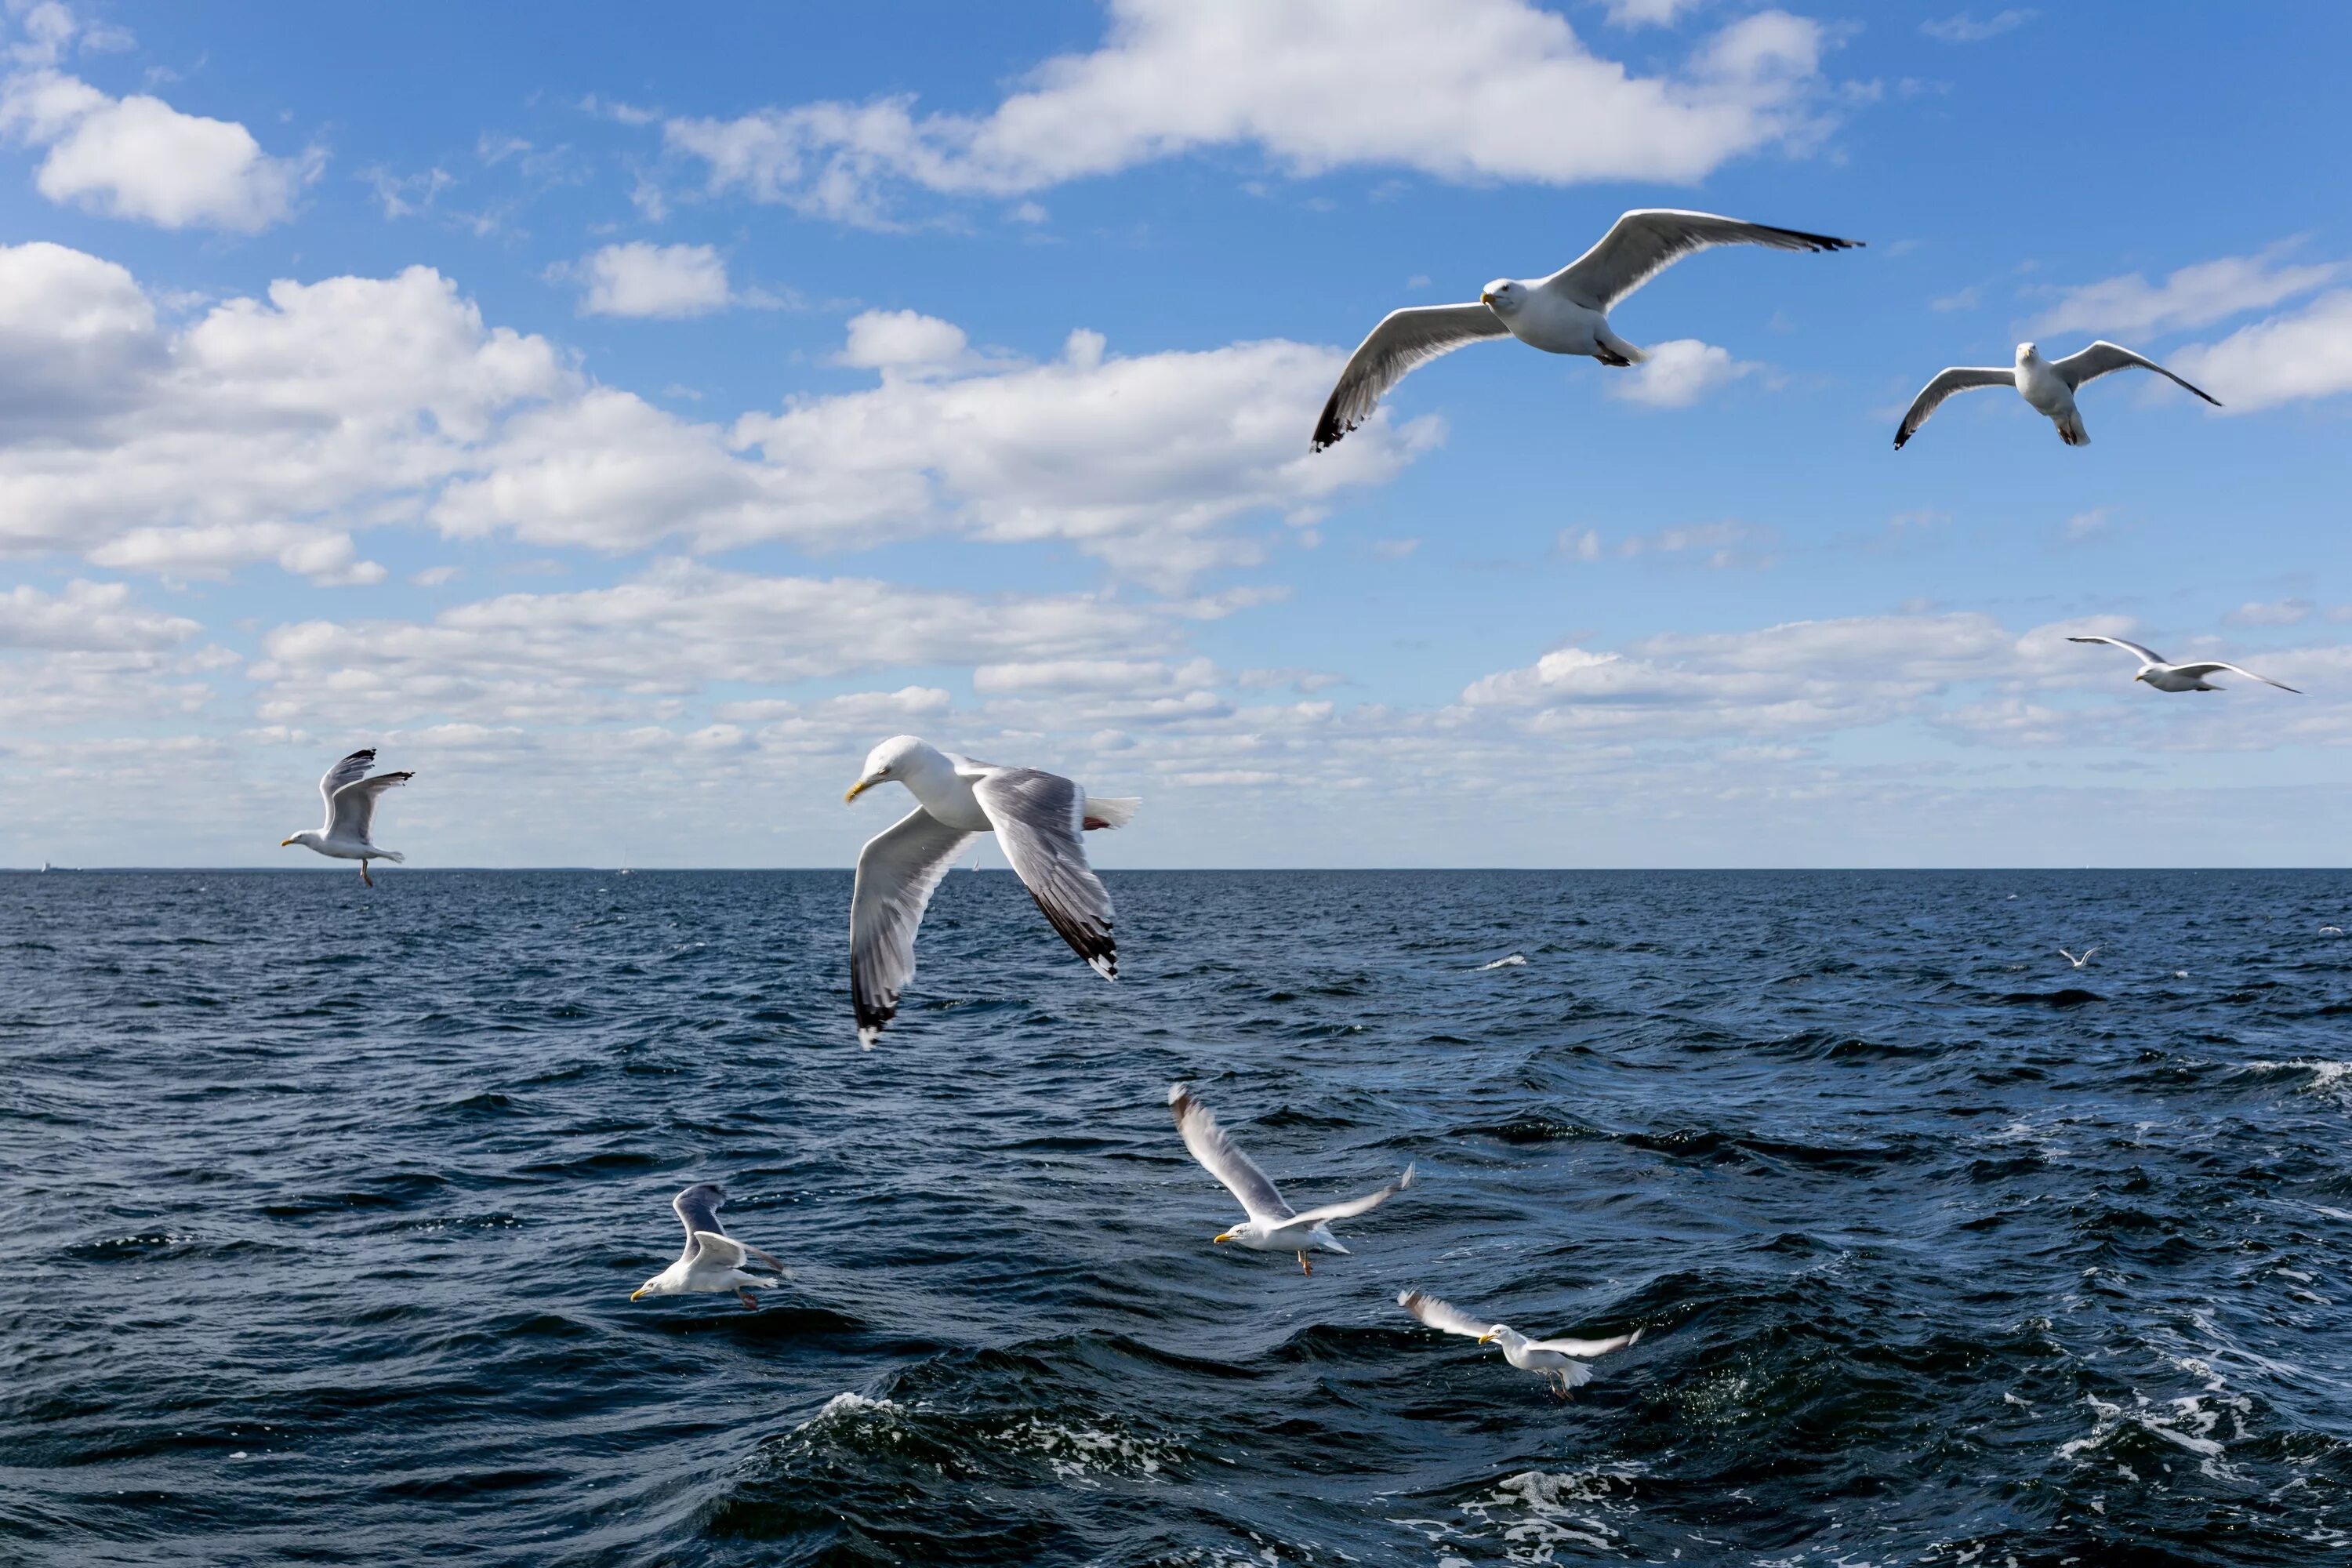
[(320, 1208)]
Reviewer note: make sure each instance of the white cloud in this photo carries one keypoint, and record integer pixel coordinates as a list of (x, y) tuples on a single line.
[(1964, 28), (1648, 13), (88, 618), (2273, 613), (326, 556), (1481, 90), (139, 158), (2284, 359), (1678, 373), (903, 340), (2194, 296), (644, 279)]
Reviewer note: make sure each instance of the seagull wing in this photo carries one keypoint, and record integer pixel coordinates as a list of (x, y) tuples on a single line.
[(351, 768), (1586, 1347), (1646, 241), (1354, 1207), (1442, 1315), (1039, 819), (2201, 670), (1958, 378), (1223, 1159), (718, 1251), (1404, 339), (350, 810), (2104, 356), (698, 1210), (896, 873), (2148, 653)]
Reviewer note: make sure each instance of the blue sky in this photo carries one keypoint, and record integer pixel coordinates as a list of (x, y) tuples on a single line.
[(625, 421)]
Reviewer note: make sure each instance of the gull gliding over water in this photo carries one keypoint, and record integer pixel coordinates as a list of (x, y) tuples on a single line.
[(1566, 313), (2078, 962), (713, 1261), (1037, 818), (1273, 1225), (350, 814), (2167, 677), (2047, 383), (1554, 1359)]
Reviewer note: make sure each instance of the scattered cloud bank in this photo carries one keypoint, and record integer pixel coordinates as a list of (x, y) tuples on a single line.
[(639, 279)]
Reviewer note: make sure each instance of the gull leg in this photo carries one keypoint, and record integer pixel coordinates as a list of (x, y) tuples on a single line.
[(363, 875), (1304, 1266), (750, 1302)]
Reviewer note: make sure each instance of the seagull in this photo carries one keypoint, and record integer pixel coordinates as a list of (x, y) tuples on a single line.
[(713, 1261), (2167, 677), (1554, 1359), (2078, 962), (1037, 818), (2048, 385), (1566, 313), (351, 812), (1273, 1225)]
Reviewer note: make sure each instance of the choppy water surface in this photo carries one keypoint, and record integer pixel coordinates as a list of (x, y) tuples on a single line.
[(323, 1209)]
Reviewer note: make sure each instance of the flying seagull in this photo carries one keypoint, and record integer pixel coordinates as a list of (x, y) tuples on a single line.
[(1037, 818), (1555, 1360), (350, 814), (1273, 1225), (2078, 962), (713, 1261), (2180, 677), (2048, 385), (1566, 313)]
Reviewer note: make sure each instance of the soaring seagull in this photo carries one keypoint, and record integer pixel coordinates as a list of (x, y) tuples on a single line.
[(1037, 818), (2165, 677), (1273, 1225), (2047, 383), (713, 1261), (1555, 1360), (350, 814), (1566, 313)]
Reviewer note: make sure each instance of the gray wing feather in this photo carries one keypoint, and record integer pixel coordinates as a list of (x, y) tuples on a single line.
[(1588, 1347), (2201, 670), (1442, 1315), (698, 1210), (1037, 818), (896, 872), (350, 810), (2149, 653), (1959, 378), (1646, 241), (1223, 1159), (2103, 357), (1404, 339), (1351, 1207)]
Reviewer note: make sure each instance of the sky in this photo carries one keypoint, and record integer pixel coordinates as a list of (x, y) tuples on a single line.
[(625, 421)]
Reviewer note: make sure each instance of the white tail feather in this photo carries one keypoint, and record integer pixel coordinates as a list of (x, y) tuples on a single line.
[(394, 856), (1113, 810)]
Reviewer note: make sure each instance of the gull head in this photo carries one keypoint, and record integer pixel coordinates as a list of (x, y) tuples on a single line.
[(1504, 296), (896, 758), (661, 1284), (1500, 1331), (1237, 1233), (2027, 353), (308, 837)]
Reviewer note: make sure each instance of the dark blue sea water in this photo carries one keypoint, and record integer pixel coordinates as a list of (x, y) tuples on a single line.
[(322, 1209)]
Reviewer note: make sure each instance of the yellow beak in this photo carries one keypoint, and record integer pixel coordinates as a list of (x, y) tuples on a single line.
[(1486, 1339), (860, 787), (638, 1295), (284, 842), (1484, 298), (1221, 1237)]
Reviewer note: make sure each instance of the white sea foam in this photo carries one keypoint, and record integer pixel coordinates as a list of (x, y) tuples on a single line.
[(2202, 1423), (1513, 961), (1537, 1514), (2331, 1078), (1080, 1453)]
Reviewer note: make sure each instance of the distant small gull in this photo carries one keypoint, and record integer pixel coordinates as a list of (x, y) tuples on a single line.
[(1566, 313), (2167, 677), (1273, 1225), (1037, 818), (350, 814), (1554, 1359), (2078, 962), (2331, 931), (1513, 961), (712, 1260), (2048, 385)]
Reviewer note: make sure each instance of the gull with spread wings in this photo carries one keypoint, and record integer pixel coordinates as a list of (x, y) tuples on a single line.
[(713, 1261), (1554, 1359), (2049, 385), (1037, 818), (1566, 313), (2167, 676), (350, 814), (1273, 1225)]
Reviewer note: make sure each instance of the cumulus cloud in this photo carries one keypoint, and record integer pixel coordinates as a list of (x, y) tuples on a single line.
[(2192, 297), (902, 340), (2285, 359), (639, 279), (87, 617), (1648, 13), (1485, 90), (1964, 29), (139, 158), (1679, 373)]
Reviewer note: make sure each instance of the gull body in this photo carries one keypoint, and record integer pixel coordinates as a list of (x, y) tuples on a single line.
[(1272, 1226), (1038, 818), (1566, 313), (350, 797), (2078, 962), (1558, 1362), (2167, 676), (2048, 385), (713, 1261)]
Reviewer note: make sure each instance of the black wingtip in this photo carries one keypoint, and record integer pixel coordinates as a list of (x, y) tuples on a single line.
[(1328, 429)]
